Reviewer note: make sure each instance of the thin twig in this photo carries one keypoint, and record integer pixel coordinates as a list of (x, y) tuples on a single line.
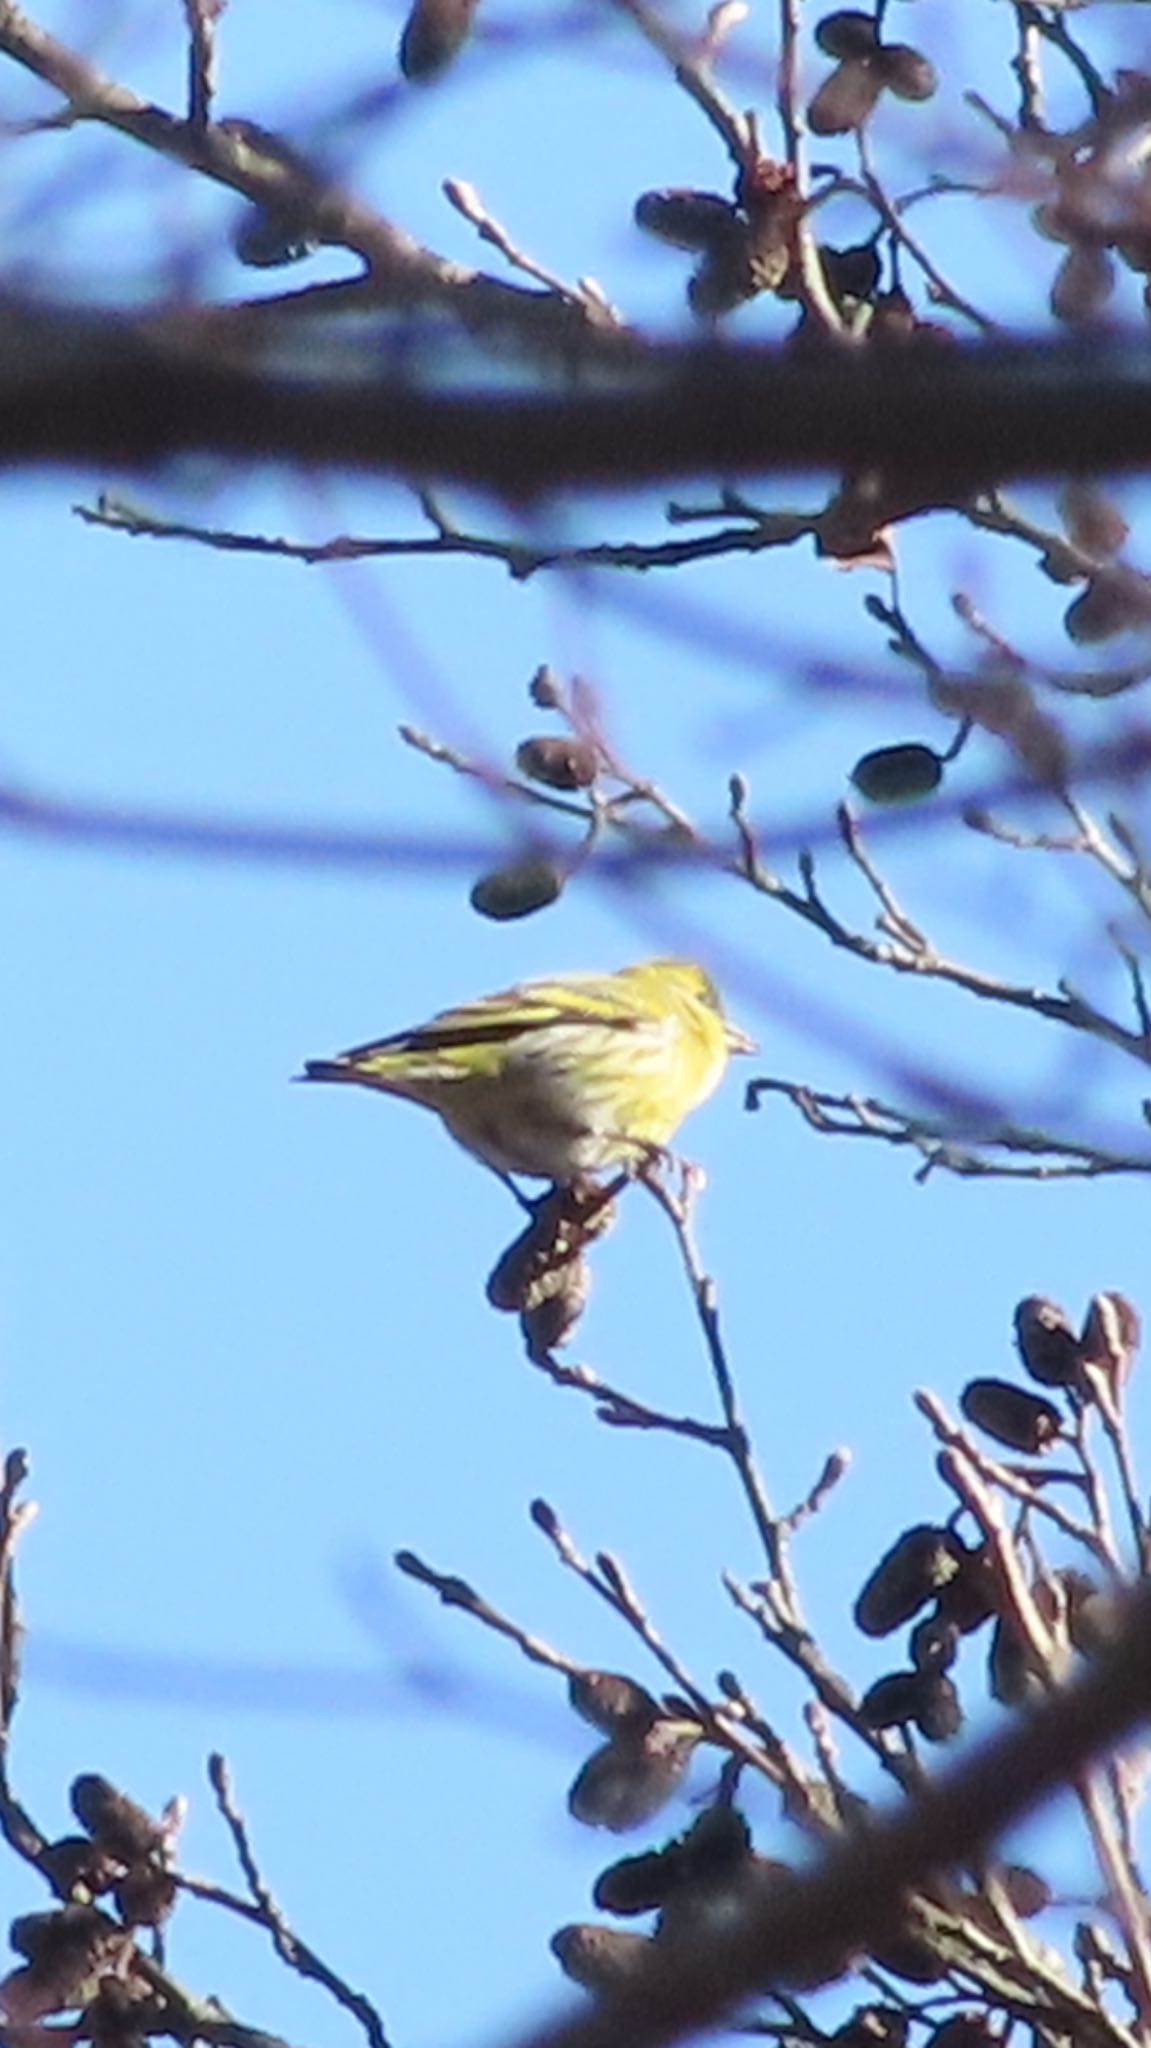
[(288, 1946), (694, 78), (772, 1532), (456, 1592)]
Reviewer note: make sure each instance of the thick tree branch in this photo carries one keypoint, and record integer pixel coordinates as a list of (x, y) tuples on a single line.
[(410, 397)]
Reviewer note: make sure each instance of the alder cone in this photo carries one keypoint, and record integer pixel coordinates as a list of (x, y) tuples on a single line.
[(1047, 1343), (939, 1716), (610, 1702), (683, 217), (434, 34), (893, 1700), (636, 1884), (1023, 1421), (601, 1959), (907, 72), (558, 762), (627, 1781), (934, 1643), (900, 774), (846, 98), (114, 1820), (517, 890), (918, 1566), (847, 33)]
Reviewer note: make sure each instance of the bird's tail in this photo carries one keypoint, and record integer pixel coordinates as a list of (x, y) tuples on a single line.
[(327, 1070)]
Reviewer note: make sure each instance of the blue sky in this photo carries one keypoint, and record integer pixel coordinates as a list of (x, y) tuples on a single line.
[(243, 1325)]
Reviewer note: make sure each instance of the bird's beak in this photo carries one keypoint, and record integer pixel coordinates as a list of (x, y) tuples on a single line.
[(737, 1040)]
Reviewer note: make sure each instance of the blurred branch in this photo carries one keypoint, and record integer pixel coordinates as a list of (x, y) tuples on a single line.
[(848, 1900), (400, 395)]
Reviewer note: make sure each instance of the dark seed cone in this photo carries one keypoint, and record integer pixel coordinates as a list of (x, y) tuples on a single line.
[(434, 34), (1023, 1421), (114, 1820), (602, 1959), (684, 218), (847, 33), (557, 762), (918, 1566), (77, 1868), (846, 98), (898, 775), (628, 1780), (612, 1702), (1047, 1343), (518, 890)]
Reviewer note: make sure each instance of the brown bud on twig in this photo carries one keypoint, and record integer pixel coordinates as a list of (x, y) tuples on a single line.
[(898, 775), (114, 1820), (1110, 1340), (558, 762), (434, 33), (915, 1569), (1023, 1421), (1047, 1343), (545, 689)]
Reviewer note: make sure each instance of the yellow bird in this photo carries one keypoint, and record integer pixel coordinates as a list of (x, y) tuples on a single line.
[(560, 1078)]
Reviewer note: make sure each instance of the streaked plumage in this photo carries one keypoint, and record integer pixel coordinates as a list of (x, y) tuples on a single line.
[(563, 1077)]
